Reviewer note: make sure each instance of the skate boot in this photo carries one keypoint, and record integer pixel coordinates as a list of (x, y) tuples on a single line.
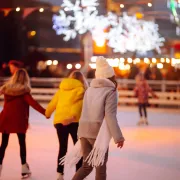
[(60, 176), (25, 171), (0, 169), (140, 122), (146, 121)]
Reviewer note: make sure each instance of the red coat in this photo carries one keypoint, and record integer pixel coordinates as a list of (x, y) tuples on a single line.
[(142, 90), (15, 114)]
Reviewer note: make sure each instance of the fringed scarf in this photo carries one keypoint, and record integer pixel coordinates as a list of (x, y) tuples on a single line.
[(96, 156)]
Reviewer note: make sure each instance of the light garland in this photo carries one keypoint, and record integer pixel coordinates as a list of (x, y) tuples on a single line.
[(124, 64), (126, 33)]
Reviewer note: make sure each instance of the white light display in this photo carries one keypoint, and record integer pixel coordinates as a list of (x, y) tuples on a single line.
[(126, 33)]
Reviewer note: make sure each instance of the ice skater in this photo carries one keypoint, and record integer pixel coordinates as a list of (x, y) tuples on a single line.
[(142, 90), (14, 65), (15, 114), (68, 105), (99, 110)]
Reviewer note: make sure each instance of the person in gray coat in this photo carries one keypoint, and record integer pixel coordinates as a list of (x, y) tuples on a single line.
[(100, 103)]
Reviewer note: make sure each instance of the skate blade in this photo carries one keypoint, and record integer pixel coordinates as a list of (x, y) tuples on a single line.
[(25, 175)]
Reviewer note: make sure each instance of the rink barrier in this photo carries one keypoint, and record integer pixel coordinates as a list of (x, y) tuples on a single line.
[(126, 97), (123, 84)]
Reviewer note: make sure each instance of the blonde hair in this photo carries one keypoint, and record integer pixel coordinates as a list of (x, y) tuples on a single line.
[(20, 78), (79, 76)]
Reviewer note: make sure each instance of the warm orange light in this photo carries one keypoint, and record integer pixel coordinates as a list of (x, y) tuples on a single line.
[(139, 15), (41, 10), (99, 42), (31, 34), (177, 55)]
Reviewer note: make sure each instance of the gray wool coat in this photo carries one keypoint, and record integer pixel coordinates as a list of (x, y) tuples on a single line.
[(100, 103)]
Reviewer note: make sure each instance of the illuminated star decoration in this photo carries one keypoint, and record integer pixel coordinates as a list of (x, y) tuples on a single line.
[(126, 33)]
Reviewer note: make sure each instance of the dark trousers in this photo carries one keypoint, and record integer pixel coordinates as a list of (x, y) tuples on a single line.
[(63, 133), (22, 143), (86, 169), (142, 106)]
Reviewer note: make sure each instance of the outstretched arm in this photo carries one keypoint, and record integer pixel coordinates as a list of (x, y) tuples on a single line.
[(30, 100), (110, 117), (52, 106)]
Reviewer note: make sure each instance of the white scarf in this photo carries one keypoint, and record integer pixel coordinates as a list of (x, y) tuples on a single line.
[(96, 156)]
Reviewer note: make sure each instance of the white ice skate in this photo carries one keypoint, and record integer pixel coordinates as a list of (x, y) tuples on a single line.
[(146, 121), (25, 171), (140, 122), (0, 169), (60, 176)]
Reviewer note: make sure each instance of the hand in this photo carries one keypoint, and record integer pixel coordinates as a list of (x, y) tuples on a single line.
[(120, 144)]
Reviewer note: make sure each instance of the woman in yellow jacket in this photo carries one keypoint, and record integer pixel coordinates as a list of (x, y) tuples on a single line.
[(68, 105)]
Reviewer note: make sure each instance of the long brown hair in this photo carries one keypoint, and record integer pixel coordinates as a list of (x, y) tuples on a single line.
[(79, 76), (113, 79), (20, 77)]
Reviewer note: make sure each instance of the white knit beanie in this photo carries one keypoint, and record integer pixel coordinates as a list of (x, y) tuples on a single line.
[(103, 69)]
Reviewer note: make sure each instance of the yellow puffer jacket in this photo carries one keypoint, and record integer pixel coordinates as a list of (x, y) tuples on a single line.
[(67, 101)]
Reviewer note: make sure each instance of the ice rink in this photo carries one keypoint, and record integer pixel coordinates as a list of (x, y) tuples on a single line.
[(149, 153)]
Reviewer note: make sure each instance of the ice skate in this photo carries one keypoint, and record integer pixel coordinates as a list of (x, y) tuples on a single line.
[(0, 169), (25, 171), (146, 121), (140, 122), (59, 176)]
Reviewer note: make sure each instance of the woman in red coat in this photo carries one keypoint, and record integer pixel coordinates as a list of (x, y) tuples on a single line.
[(15, 114)]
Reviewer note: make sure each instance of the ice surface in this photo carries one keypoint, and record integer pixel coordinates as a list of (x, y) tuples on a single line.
[(149, 153)]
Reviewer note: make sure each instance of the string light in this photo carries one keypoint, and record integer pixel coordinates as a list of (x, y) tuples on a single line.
[(55, 62), (49, 62), (154, 60), (93, 59), (122, 60), (18, 9), (149, 4), (162, 60), (41, 10), (113, 62), (69, 66), (121, 5), (33, 33), (146, 60), (127, 66), (168, 60), (78, 66), (122, 66), (129, 60), (137, 60), (92, 65), (159, 65)]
